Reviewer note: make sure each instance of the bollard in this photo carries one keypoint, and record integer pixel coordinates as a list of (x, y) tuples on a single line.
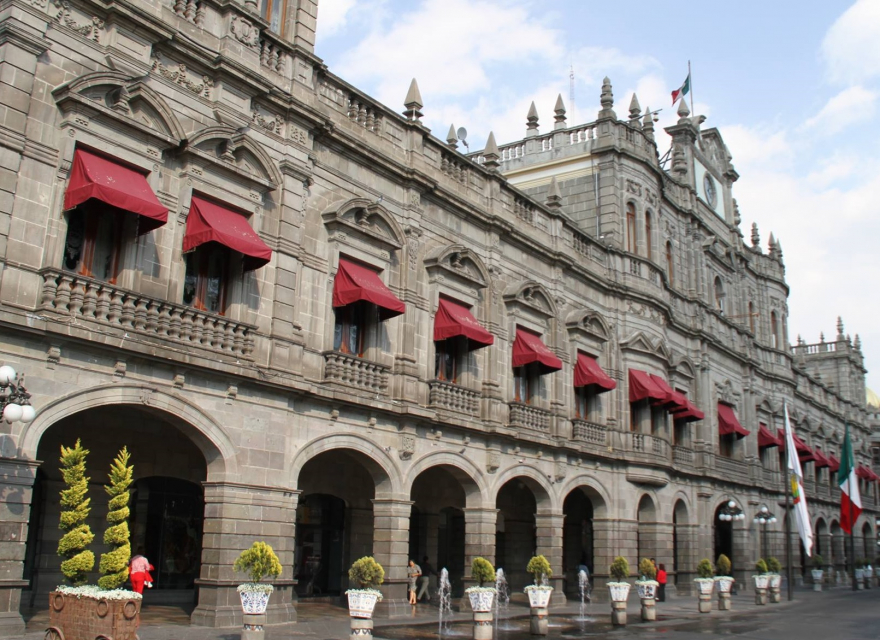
[(649, 609), (618, 613), (483, 625), (538, 624), (776, 594), (760, 595), (361, 629), (253, 626), (705, 604), (724, 601)]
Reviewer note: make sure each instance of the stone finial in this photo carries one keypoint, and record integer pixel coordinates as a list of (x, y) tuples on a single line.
[(737, 217), (491, 155), (840, 328), (559, 110), (779, 251), (648, 123), (452, 138), (635, 109), (683, 112), (857, 345), (532, 121), (679, 161), (771, 246), (756, 237), (554, 196), (822, 337), (606, 99), (413, 102)]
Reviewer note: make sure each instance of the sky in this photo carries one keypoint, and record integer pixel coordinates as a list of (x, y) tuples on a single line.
[(793, 87)]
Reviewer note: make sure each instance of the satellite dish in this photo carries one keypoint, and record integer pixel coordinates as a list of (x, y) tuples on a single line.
[(462, 134)]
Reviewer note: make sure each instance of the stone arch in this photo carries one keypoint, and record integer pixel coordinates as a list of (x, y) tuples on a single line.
[(466, 472), (461, 261), (534, 479), (366, 216), (590, 322), (532, 294), (204, 431), (647, 508), (685, 367), (379, 464), (232, 141), (593, 489), (681, 505)]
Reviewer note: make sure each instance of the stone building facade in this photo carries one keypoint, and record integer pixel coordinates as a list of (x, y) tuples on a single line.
[(316, 324)]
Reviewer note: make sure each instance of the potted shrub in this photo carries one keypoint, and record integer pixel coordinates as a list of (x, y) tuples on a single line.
[(817, 573), (774, 568), (539, 593), (762, 581), (367, 574), (869, 572), (482, 597), (647, 587), (619, 589), (705, 583), (724, 580), (860, 572), (258, 562)]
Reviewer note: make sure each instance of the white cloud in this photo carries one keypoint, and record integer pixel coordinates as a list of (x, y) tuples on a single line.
[(332, 16), (852, 105), (852, 45)]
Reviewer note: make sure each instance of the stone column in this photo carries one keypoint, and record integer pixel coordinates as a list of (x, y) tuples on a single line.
[(479, 535), (16, 489), (391, 546), (548, 527), (605, 549), (236, 515)]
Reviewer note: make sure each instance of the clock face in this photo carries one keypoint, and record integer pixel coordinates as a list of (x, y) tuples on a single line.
[(709, 188)]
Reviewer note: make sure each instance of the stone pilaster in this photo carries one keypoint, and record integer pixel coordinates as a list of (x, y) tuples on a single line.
[(391, 544), (16, 487), (548, 527)]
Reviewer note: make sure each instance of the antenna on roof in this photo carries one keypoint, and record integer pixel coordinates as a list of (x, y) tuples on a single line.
[(462, 136)]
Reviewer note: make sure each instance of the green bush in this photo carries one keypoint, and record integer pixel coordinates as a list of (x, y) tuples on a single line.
[(705, 568), (539, 566), (774, 566), (366, 573), (114, 563), (818, 561), (258, 562), (761, 566), (74, 513), (723, 566), (482, 571), (619, 569), (647, 569)]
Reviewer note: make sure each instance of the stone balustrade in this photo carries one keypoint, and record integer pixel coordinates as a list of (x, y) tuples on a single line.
[(190, 10), (452, 397), (357, 108), (646, 447), (92, 301), (351, 371), (455, 166), (591, 432), (732, 470), (524, 416), (682, 456)]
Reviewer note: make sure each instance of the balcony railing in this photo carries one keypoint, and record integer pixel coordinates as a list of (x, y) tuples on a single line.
[(93, 301), (452, 397), (351, 371), (682, 456), (524, 416), (584, 431), (730, 469), (644, 446)]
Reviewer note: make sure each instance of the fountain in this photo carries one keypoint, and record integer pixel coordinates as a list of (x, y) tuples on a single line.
[(584, 591), (502, 596), (445, 593)]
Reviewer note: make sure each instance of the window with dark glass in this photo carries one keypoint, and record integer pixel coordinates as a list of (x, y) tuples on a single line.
[(93, 247), (774, 330), (726, 445), (206, 280), (526, 381), (273, 12), (631, 228), (751, 317), (649, 234), (350, 330), (669, 264), (448, 358), (719, 295)]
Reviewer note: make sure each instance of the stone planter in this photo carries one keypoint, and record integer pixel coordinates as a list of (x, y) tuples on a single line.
[(817, 575), (725, 584), (869, 576), (481, 599), (775, 585), (539, 597), (762, 582), (361, 602), (860, 578), (86, 618), (254, 602), (704, 591), (647, 595), (619, 593)]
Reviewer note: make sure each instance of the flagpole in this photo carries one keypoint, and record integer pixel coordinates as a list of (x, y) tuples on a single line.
[(691, 88), (852, 544), (786, 479)]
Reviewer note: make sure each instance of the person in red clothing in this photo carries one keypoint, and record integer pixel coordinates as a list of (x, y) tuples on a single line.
[(661, 579), (139, 571)]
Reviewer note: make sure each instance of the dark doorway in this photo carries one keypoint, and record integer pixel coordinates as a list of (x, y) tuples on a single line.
[(577, 545), (723, 538), (320, 536)]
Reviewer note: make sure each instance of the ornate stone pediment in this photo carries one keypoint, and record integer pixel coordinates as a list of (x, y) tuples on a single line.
[(367, 222), (643, 344), (532, 297), (685, 369), (588, 323), (232, 151), (457, 266), (726, 393)]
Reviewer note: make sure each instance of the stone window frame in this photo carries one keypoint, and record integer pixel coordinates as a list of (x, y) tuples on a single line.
[(589, 333)]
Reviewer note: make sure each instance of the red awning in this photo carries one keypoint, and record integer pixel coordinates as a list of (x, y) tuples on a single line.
[(94, 177), (528, 348), (454, 319), (874, 476), (820, 459), (728, 424), (641, 386), (589, 372), (675, 400), (209, 222), (355, 283), (862, 472), (689, 414), (833, 464), (767, 439), (805, 454)]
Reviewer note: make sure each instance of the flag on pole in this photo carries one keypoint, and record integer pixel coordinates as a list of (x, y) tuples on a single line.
[(850, 500), (682, 90), (798, 496)]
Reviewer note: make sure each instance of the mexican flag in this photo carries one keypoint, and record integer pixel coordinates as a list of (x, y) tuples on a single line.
[(682, 90), (850, 501)]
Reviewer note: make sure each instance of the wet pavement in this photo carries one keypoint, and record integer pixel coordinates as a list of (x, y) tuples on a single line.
[(838, 614)]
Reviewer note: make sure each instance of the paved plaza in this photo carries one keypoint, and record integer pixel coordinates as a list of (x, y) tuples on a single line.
[(839, 614)]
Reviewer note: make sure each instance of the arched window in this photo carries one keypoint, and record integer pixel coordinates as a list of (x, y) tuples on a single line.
[(719, 294), (669, 269), (631, 227), (648, 234), (774, 330), (751, 317)]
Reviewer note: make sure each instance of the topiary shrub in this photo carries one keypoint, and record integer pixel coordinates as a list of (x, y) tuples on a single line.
[(258, 562), (705, 568), (722, 565), (647, 569), (482, 571), (774, 566), (366, 573), (114, 563), (818, 561), (761, 566), (538, 566), (619, 569), (74, 512)]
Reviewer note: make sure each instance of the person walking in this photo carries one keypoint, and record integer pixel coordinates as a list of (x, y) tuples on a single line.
[(661, 579), (413, 573), (139, 571), (424, 580)]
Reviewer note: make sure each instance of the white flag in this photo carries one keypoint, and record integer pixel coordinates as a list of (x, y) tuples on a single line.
[(796, 482)]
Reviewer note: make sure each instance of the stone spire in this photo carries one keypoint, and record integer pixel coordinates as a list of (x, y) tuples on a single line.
[(771, 246), (683, 112), (635, 109), (648, 123), (756, 237), (778, 250), (737, 217), (413, 102), (554, 196), (559, 110), (452, 138), (532, 121), (840, 334), (491, 156), (857, 345), (606, 99), (822, 337)]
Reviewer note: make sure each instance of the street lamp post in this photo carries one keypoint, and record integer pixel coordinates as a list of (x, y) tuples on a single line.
[(730, 512), (763, 518), (15, 401)]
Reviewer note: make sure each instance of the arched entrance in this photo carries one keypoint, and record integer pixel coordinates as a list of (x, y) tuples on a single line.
[(682, 546), (521, 502), (724, 538), (646, 541), (838, 556), (580, 507), (868, 543), (821, 543)]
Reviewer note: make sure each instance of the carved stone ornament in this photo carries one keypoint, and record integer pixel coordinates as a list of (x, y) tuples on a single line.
[(90, 29), (178, 76), (412, 245), (407, 447), (633, 187), (493, 461), (274, 125), (245, 32)]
